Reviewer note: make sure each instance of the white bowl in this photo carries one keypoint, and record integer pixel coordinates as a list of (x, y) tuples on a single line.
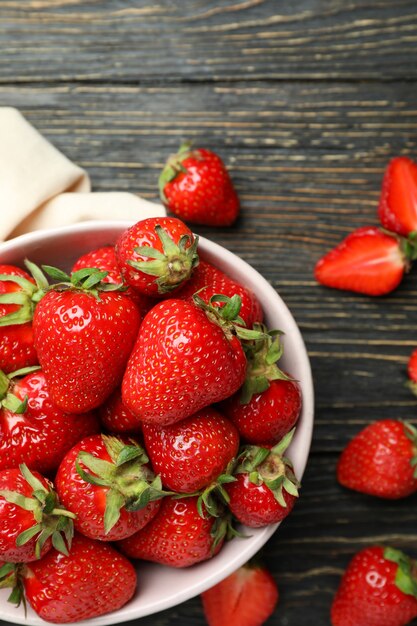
[(161, 587)]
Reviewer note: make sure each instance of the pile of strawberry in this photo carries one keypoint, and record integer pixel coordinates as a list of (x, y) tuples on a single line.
[(142, 414)]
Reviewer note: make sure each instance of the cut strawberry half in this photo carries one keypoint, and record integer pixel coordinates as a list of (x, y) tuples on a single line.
[(397, 208), (368, 261), (246, 598)]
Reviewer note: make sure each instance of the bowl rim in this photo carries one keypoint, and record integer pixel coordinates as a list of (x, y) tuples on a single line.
[(302, 438)]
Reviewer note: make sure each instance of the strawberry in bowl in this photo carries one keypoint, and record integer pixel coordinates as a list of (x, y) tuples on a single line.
[(62, 248)]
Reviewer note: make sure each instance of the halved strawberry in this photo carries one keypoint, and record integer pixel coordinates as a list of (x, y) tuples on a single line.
[(398, 202), (368, 261), (246, 598)]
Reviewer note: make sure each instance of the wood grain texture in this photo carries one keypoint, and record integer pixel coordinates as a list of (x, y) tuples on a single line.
[(191, 40), (307, 161)]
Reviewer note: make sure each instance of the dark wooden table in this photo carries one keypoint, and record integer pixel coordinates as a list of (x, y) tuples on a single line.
[(306, 101)]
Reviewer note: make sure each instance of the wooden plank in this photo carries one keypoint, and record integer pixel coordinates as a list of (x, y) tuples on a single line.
[(117, 40), (307, 161)]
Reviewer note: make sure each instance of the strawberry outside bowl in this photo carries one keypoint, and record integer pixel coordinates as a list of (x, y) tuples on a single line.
[(161, 587)]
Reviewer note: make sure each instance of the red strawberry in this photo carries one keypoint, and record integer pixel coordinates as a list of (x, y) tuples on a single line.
[(380, 460), (266, 488), (31, 518), (157, 255), (178, 535), (116, 417), (398, 203), (193, 453), (208, 280), (33, 430), (246, 598), (16, 339), (84, 334), (379, 588), (195, 185), (270, 403), (109, 487), (368, 261), (93, 580), (183, 361), (412, 372), (104, 259)]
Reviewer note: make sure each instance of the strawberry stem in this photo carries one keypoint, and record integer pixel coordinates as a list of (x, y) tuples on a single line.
[(405, 578), (171, 267), (130, 483), (51, 520)]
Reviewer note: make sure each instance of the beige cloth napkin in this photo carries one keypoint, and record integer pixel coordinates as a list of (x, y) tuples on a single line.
[(41, 188)]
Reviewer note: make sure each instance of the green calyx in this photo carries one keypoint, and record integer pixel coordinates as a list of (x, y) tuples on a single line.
[(223, 530), (26, 297), (227, 316), (406, 576), (412, 386), (262, 355), (213, 498), (11, 575), (51, 520), (7, 399), (173, 168), (270, 468), (130, 483), (407, 245), (173, 265), (88, 280)]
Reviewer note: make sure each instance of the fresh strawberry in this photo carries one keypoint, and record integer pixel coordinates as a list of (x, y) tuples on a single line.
[(107, 483), (193, 453), (185, 359), (269, 404), (368, 261), (116, 417), (178, 535), (378, 588), (84, 332), (209, 280), (157, 255), (266, 488), (195, 185), (16, 338), (33, 430), (104, 259), (380, 460), (92, 580), (31, 518), (412, 372), (398, 202), (246, 598)]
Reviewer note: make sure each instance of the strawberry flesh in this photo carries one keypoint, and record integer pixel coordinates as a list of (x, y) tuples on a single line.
[(368, 261), (246, 598)]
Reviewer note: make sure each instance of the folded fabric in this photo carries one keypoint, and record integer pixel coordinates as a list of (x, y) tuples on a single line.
[(41, 188)]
